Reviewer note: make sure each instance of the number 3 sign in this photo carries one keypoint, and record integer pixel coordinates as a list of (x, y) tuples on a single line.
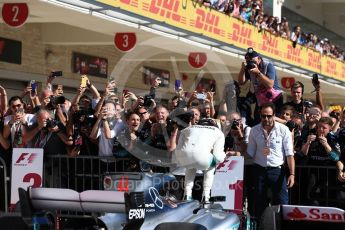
[(125, 41), (15, 14)]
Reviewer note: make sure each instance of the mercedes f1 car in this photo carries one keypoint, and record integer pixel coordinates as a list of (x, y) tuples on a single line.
[(139, 204)]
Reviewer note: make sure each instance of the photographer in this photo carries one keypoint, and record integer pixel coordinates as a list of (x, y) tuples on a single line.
[(165, 130), (49, 135), (313, 116), (263, 78), (15, 125), (237, 134), (107, 128)]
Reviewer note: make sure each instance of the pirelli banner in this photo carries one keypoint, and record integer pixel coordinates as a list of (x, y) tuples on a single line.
[(191, 16)]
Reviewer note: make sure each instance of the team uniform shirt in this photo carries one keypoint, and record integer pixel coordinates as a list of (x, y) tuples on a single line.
[(279, 142), (198, 146), (317, 154)]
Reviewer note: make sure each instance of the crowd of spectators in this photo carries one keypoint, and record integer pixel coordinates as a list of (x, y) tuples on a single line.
[(252, 12), (124, 125)]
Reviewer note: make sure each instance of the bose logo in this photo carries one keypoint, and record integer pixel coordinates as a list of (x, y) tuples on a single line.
[(136, 214)]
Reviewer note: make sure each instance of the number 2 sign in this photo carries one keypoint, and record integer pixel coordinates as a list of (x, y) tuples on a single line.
[(197, 60), (15, 14), (125, 42), (27, 166)]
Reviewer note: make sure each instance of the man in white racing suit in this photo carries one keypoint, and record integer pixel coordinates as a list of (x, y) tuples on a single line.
[(201, 147)]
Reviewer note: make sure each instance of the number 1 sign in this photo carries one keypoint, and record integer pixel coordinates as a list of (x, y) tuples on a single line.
[(15, 14)]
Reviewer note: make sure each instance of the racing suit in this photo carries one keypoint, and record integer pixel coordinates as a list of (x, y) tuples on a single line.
[(200, 147)]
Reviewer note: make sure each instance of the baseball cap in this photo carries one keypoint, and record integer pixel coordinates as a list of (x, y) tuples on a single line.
[(251, 53)]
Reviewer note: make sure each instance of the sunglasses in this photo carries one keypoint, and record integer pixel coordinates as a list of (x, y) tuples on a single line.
[(140, 114), (16, 106), (266, 116)]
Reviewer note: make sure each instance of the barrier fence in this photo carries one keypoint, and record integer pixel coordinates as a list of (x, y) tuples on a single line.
[(314, 185), (3, 186)]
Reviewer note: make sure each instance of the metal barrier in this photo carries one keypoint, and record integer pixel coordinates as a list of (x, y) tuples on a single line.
[(87, 172), (4, 186), (323, 192), (82, 172)]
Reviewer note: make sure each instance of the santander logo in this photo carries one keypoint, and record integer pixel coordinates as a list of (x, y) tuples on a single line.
[(296, 214), (324, 214)]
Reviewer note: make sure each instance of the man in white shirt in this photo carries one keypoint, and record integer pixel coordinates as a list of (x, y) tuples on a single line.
[(200, 147), (15, 125), (269, 144)]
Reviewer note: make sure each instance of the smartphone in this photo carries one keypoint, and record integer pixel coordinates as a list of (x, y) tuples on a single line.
[(20, 111), (177, 85), (315, 79), (125, 92), (33, 85), (57, 73), (83, 81), (201, 96), (313, 111)]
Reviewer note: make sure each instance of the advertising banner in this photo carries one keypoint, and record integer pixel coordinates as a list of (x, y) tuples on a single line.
[(199, 19), (27, 166)]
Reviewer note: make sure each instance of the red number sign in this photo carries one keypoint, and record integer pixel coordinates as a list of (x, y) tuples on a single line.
[(287, 82), (15, 14), (125, 41), (33, 177), (197, 60)]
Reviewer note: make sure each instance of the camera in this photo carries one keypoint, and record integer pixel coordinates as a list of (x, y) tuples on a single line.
[(54, 101), (56, 74), (51, 123), (235, 124), (250, 65), (307, 104), (291, 125), (147, 101), (201, 96), (86, 114), (182, 120)]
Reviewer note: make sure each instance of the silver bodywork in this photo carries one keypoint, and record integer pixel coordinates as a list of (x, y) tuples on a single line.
[(165, 208)]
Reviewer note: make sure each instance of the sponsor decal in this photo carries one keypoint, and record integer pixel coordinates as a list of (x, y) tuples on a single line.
[(136, 214), (305, 213)]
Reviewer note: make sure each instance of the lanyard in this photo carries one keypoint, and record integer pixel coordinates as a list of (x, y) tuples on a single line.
[(267, 137)]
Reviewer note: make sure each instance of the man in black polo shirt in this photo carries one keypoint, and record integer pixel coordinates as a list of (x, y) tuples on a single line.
[(298, 102)]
